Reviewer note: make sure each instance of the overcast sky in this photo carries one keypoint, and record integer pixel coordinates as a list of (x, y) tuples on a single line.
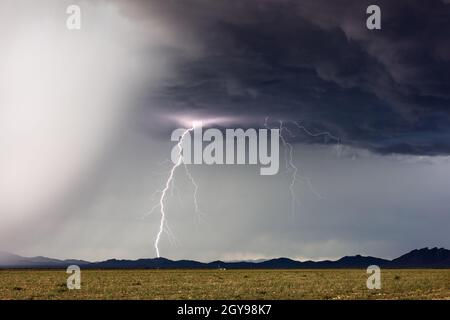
[(86, 117)]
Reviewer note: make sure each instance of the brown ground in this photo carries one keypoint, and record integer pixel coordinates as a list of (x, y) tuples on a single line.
[(225, 284)]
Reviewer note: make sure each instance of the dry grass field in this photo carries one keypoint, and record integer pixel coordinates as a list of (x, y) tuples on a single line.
[(225, 284)]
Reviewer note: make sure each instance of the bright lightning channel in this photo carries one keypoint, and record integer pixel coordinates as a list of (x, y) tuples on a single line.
[(289, 164), (167, 187)]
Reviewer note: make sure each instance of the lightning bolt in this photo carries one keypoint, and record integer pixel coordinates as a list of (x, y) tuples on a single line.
[(199, 213), (168, 184), (325, 134), (290, 167), (291, 164), (289, 156)]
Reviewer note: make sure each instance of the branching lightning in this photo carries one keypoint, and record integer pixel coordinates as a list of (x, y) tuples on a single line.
[(199, 213), (169, 182), (290, 167), (289, 154), (290, 163)]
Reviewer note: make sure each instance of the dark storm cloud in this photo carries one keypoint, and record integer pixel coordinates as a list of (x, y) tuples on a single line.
[(314, 61)]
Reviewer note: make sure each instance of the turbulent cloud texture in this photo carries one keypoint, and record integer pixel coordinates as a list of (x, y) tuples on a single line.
[(386, 90)]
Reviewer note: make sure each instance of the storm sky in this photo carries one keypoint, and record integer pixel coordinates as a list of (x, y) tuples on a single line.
[(86, 117)]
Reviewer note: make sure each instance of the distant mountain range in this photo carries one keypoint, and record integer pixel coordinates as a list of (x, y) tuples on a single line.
[(422, 258)]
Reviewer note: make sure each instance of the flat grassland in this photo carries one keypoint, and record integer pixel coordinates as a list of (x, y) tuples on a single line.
[(226, 284)]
